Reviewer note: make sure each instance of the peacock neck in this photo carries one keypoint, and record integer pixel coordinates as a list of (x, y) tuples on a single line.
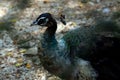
[(49, 35)]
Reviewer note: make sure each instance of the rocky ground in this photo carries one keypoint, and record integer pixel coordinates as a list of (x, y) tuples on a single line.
[(18, 38)]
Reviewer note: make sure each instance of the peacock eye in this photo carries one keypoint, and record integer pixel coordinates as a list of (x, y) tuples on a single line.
[(43, 21)]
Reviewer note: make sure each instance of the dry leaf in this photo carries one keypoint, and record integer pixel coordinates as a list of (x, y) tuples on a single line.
[(28, 65), (20, 60), (18, 64), (81, 4), (46, 1), (73, 24), (22, 50), (9, 54)]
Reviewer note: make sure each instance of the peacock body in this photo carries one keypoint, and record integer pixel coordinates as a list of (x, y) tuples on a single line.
[(82, 54)]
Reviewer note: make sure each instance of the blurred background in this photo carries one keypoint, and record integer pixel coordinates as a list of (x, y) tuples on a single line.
[(16, 35)]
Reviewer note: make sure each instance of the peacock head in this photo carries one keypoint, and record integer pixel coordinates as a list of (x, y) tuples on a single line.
[(46, 19)]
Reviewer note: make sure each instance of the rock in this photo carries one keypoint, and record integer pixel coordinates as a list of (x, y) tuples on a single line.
[(98, 1), (91, 3), (32, 51), (106, 10), (1, 43), (54, 78)]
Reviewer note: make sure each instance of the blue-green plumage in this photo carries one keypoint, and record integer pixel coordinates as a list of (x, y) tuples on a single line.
[(86, 53)]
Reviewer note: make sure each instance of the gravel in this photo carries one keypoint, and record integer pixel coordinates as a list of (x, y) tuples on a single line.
[(13, 64)]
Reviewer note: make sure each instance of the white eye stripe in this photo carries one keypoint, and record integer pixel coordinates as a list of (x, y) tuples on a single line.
[(36, 22), (42, 17)]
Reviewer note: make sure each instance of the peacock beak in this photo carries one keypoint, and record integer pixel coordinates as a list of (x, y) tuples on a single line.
[(34, 23)]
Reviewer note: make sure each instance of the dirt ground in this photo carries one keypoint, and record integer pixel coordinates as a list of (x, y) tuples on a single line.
[(17, 37)]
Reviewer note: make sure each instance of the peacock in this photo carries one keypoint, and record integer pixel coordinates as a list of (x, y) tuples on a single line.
[(85, 53)]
